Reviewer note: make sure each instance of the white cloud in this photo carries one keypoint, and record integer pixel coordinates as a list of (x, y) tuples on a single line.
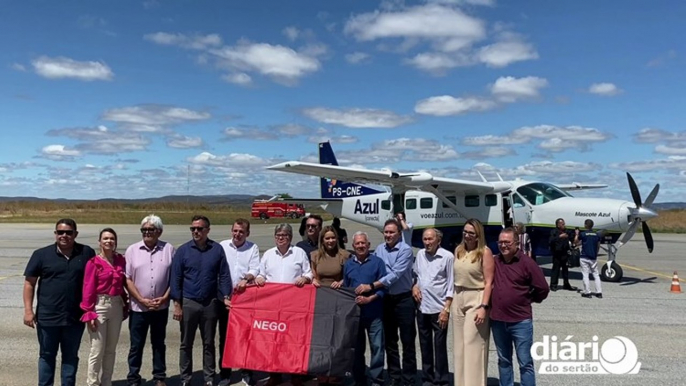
[(446, 105), (357, 117), (494, 140), (231, 160), (183, 142), (488, 3), (239, 78), (62, 67), (18, 67), (154, 115), (253, 133), (672, 149), (356, 57), (568, 133), (101, 140), (282, 64), (490, 152), (194, 42), (604, 89), (509, 89), (446, 27), (291, 130), (402, 149), (59, 153), (438, 63), (333, 139), (291, 33), (502, 53), (561, 168), (675, 162), (651, 135)]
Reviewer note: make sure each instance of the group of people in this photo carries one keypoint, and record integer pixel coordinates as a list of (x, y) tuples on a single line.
[(400, 295)]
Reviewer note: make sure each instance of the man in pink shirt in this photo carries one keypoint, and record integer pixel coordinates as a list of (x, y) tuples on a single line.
[(148, 266)]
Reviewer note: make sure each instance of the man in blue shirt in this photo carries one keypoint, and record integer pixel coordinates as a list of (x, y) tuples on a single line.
[(200, 284), (365, 268), (590, 244), (398, 305)]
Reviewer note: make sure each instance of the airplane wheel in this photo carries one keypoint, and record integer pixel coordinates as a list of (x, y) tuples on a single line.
[(611, 273)]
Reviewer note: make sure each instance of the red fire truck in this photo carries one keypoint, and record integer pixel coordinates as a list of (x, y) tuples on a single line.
[(265, 209)]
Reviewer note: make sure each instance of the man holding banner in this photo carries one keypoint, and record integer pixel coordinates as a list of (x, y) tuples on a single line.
[(364, 268), (288, 265)]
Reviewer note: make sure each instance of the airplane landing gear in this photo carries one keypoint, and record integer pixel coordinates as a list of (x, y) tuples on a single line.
[(611, 271)]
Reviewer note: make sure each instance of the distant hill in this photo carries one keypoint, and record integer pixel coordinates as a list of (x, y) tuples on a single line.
[(229, 199), (669, 205)]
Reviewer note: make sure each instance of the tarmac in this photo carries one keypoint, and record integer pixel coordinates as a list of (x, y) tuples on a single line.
[(640, 308)]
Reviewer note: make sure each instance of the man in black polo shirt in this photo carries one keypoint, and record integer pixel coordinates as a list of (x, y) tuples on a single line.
[(313, 225), (58, 270)]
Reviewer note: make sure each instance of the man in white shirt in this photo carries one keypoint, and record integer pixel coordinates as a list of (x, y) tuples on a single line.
[(284, 263), (288, 265), (433, 290), (243, 257)]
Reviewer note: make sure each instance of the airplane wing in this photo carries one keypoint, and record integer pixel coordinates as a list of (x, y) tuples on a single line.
[(419, 180), (579, 186)]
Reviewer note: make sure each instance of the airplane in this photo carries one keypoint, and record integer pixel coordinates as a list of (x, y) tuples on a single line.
[(446, 203)]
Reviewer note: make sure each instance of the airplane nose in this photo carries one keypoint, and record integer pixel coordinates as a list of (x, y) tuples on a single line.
[(624, 218)]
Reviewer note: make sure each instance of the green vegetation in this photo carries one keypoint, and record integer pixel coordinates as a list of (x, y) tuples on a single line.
[(98, 212)]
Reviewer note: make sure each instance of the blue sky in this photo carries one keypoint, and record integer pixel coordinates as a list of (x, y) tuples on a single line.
[(136, 99)]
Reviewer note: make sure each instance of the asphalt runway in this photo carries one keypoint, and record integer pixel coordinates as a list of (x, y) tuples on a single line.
[(640, 308)]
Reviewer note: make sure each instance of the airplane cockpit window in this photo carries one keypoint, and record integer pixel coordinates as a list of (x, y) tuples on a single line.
[(411, 203), (538, 193), (386, 205), (517, 201)]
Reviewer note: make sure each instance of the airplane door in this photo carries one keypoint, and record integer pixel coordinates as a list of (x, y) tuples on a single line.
[(521, 211), (508, 215), (387, 208), (398, 203)]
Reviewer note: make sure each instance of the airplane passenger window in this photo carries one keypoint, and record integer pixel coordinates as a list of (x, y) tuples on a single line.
[(426, 203), (411, 203), (452, 199), (491, 200), (471, 201), (386, 205), (538, 193)]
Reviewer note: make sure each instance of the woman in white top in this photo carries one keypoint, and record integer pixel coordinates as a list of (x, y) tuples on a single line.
[(473, 271)]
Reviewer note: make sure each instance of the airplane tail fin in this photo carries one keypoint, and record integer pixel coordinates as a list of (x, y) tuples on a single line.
[(331, 188)]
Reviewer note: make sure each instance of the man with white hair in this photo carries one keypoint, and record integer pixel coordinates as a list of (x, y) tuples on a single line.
[(148, 266)]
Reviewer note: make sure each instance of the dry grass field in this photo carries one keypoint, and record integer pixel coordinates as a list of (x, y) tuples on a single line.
[(91, 212)]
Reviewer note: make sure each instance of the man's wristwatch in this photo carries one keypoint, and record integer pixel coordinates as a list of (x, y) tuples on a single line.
[(484, 306), (227, 297), (446, 309), (371, 286)]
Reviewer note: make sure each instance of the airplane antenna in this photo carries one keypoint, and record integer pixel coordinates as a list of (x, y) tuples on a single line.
[(482, 176), (501, 178)]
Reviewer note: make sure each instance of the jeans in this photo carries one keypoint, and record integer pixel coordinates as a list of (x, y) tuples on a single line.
[(139, 323), (68, 340), (373, 329), (433, 344), (399, 316), (521, 335)]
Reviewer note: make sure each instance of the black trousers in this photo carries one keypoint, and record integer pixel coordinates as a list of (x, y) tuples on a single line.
[(203, 315), (559, 263), (399, 316), (434, 347), (139, 324)]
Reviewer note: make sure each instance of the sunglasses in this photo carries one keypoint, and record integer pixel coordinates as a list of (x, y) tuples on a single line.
[(198, 229), (311, 225), (148, 230), (62, 232)]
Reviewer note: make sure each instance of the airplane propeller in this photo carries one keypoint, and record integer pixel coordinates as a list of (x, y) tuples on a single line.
[(640, 214)]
